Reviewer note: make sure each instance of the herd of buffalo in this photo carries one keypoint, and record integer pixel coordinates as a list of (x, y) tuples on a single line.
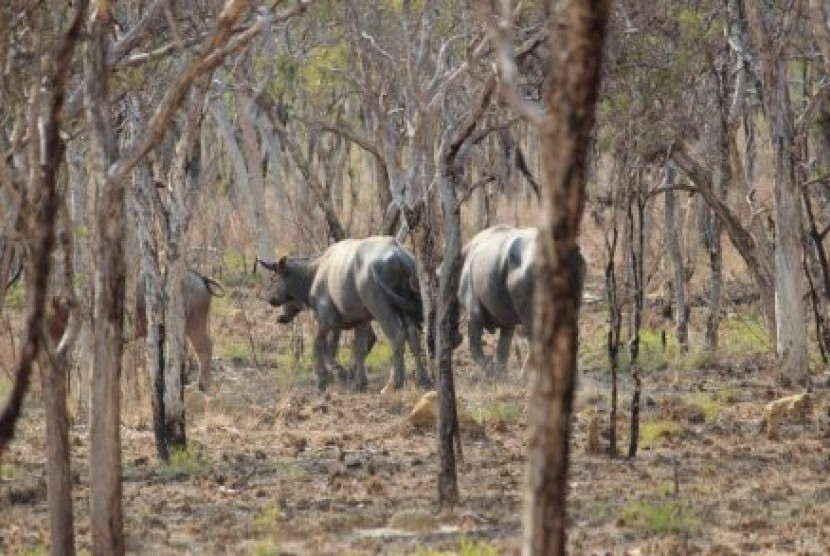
[(357, 281)]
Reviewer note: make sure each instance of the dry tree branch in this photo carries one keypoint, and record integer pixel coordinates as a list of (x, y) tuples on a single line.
[(499, 32), (53, 147)]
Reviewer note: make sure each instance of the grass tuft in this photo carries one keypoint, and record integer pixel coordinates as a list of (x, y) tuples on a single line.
[(9, 472), (466, 547), (659, 516), (740, 339), (497, 413), (184, 463), (653, 433), (267, 527)]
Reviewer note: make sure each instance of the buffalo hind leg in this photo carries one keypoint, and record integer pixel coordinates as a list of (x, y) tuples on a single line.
[(475, 329), (364, 339), (203, 346), (321, 356), (413, 332), (332, 344), (503, 349), (394, 328)]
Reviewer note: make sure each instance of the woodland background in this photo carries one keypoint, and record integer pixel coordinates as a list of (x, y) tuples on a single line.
[(161, 135)]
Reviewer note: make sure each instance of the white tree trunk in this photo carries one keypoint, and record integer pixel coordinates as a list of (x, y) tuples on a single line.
[(251, 195), (256, 180), (791, 327)]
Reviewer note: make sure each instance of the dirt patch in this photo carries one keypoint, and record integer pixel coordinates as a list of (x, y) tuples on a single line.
[(276, 468)]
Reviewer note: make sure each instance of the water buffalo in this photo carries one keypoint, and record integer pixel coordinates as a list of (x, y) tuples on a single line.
[(354, 282), (496, 289), (198, 291)]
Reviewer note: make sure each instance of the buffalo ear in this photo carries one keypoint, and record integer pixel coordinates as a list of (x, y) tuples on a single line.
[(272, 266), (281, 264)]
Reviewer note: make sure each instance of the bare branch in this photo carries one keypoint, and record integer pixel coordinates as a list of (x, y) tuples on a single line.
[(499, 31), (220, 45), (44, 230)]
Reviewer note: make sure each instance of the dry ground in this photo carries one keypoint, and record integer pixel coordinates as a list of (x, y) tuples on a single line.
[(276, 468)]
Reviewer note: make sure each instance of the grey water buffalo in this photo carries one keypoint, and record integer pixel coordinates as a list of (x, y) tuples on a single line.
[(352, 283), (198, 290), (496, 289)]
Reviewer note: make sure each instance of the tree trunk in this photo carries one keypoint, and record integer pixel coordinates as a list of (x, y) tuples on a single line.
[(184, 180), (105, 441), (574, 78), (636, 253), (58, 476), (675, 243), (447, 312), (255, 179), (252, 206), (614, 326), (751, 251), (59, 336), (722, 176), (791, 331), (79, 381)]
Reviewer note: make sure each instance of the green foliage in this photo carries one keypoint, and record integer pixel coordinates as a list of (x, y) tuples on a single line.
[(659, 516), (322, 65), (466, 547), (381, 356), (184, 462), (229, 347), (653, 433), (397, 5), (287, 361), (5, 387), (16, 296), (40, 549), (740, 339), (743, 337), (497, 413), (266, 548), (710, 403), (9, 472), (696, 27), (267, 527)]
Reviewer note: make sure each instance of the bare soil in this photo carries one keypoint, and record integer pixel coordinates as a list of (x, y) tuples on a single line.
[(276, 468)]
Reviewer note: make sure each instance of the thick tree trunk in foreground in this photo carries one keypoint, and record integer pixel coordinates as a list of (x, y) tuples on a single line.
[(565, 135), (59, 480), (106, 515)]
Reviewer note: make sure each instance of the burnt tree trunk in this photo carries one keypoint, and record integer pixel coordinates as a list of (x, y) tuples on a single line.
[(636, 251), (614, 326), (577, 33)]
